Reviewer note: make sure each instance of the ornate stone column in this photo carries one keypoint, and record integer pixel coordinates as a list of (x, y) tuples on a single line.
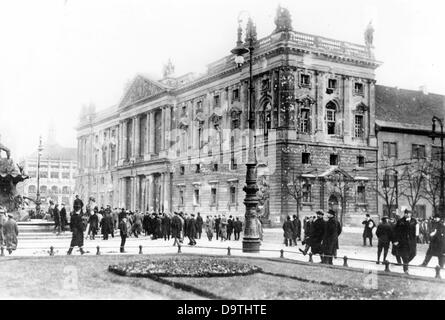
[(152, 133), (347, 109), (124, 139), (147, 134), (150, 192), (136, 136)]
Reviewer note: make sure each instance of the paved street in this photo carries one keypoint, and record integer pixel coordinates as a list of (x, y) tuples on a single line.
[(350, 245)]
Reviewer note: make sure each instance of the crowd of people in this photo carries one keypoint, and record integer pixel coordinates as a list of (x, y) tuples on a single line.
[(89, 222)]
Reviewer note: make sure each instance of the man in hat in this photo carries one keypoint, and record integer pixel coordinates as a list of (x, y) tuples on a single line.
[(288, 229), (123, 233), (191, 230), (437, 246), (330, 239), (63, 220), (315, 236), (76, 225), (384, 236), (176, 228), (78, 204), (10, 232), (406, 238), (367, 231)]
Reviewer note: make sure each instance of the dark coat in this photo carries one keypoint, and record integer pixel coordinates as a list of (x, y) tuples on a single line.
[(199, 224), (288, 228), (63, 216), (56, 215), (93, 221), (191, 228), (10, 233), (405, 235), (217, 224), (229, 225), (238, 226), (176, 226), (77, 204), (330, 237), (107, 224), (166, 224), (297, 228), (369, 225), (123, 229), (436, 247), (384, 233), (316, 235), (76, 226)]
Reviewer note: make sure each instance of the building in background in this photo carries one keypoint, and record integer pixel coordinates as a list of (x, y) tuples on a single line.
[(180, 143), (58, 167)]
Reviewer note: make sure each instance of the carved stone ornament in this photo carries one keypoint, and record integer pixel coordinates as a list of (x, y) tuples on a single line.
[(200, 118), (283, 20), (183, 123), (216, 117), (140, 88), (305, 97), (361, 107), (234, 112)]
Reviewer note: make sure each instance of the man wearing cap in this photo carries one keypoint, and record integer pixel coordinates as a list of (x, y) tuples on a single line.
[(436, 247), (10, 232), (406, 238), (330, 239), (367, 231), (384, 236)]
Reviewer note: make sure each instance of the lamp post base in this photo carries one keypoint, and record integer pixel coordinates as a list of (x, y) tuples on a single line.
[(251, 245)]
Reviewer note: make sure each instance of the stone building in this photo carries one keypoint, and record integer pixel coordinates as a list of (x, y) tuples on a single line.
[(181, 143), (404, 124)]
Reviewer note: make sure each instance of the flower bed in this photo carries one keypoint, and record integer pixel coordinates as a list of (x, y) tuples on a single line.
[(179, 267)]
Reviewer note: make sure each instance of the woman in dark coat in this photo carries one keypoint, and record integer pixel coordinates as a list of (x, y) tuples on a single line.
[(330, 238), (94, 223), (436, 247), (77, 229)]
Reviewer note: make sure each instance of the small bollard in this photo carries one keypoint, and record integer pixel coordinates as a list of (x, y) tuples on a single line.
[(310, 257), (345, 261), (281, 253), (386, 266), (2, 251), (140, 249), (228, 251), (179, 248), (438, 272), (51, 251), (98, 251)]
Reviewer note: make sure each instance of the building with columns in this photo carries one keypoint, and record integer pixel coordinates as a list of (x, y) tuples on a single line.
[(181, 143)]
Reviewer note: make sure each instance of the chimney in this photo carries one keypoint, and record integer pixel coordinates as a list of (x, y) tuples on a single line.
[(424, 89)]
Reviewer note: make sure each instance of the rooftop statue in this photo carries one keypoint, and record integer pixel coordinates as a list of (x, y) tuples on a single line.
[(283, 20), (369, 34), (169, 69)]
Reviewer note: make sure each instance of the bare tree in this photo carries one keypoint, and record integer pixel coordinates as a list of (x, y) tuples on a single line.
[(341, 184), (431, 185), (387, 189), (412, 182), (292, 184)]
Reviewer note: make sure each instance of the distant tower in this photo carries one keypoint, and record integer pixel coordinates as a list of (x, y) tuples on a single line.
[(51, 139)]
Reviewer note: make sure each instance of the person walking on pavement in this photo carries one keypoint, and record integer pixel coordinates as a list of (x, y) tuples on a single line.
[(223, 228), (436, 247), (94, 223), (330, 239), (176, 229), (166, 226), (297, 229), (57, 220), (237, 227), (229, 227), (210, 225), (367, 231), (123, 233), (10, 233), (76, 226), (316, 234), (288, 229), (191, 230), (384, 236), (107, 226), (217, 226), (63, 220), (78, 204), (406, 238), (199, 224)]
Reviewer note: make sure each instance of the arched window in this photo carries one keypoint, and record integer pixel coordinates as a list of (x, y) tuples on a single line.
[(54, 189), (43, 189), (32, 189), (65, 190), (331, 117)]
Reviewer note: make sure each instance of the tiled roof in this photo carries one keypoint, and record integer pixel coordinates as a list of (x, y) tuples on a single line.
[(57, 152), (403, 106)]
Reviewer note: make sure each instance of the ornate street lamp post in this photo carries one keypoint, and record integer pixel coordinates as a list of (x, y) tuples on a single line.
[(433, 136), (251, 238), (39, 154)]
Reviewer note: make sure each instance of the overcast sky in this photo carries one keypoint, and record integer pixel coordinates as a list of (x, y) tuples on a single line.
[(57, 55)]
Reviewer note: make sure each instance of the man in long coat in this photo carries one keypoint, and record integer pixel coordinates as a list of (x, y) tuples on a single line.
[(107, 226), (63, 220), (367, 231), (297, 229), (209, 224), (223, 227), (437, 239), (406, 238), (166, 226), (315, 236), (10, 233), (94, 224), (137, 224), (199, 224), (238, 227), (78, 204), (192, 230), (229, 227), (77, 230), (57, 220), (288, 229), (330, 238), (176, 228), (217, 226), (123, 233), (384, 236)]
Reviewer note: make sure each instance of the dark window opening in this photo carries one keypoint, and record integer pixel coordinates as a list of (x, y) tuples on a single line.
[(306, 158), (333, 160)]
